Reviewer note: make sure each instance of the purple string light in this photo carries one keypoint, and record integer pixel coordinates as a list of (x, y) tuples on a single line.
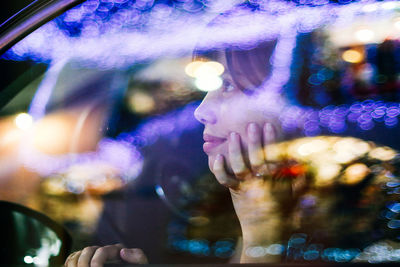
[(151, 30)]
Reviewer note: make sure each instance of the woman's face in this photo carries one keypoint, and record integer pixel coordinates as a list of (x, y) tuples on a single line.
[(223, 111)]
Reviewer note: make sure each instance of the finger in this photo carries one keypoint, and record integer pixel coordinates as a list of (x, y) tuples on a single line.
[(269, 137), (256, 153), (86, 256), (221, 175), (235, 156), (133, 255), (69, 258), (103, 254), (72, 261)]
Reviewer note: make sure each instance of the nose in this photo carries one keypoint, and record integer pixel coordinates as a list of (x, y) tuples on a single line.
[(205, 112)]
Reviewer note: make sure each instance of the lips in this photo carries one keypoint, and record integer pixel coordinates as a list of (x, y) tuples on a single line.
[(211, 142)]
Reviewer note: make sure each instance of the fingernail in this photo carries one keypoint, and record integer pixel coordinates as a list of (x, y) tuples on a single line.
[(233, 136), (253, 132), (125, 251), (218, 158), (268, 128), (252, 127), (269, 132)]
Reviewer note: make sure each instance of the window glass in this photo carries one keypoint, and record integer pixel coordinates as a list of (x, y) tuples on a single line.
[(212, 131)]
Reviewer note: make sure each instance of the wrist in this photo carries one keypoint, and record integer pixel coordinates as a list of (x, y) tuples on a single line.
[(266, 231), (258, 236), (254, 203)]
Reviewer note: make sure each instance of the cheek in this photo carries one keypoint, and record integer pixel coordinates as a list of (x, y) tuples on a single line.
[(234, 116)]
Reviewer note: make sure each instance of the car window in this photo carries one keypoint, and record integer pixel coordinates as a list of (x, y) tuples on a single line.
[(210, 131)]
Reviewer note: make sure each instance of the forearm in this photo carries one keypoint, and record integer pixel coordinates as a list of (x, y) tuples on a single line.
[(260, 219)]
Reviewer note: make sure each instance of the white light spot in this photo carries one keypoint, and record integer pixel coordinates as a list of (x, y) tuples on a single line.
[(36, 260), (328, 173), (192, 67), (23, 121), (275, 249), (312, 147), (397, 24), (370, 8), (364, 35), (343, 157), (355, 173), (208, 83), (389, 5), (141, 102), (210, 68), (256, 252), (382, 153), (198, 69), (352, 56), (160, 191), (28, 259)]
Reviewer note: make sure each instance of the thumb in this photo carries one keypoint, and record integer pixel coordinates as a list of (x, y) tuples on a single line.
[(133, 255)]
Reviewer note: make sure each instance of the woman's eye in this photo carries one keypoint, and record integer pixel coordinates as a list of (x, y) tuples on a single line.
[(227, 87)]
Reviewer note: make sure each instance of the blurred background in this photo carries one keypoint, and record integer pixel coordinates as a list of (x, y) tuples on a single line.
[(96, 119)]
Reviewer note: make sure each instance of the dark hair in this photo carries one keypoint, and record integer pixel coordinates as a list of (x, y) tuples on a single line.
[(248, 66)]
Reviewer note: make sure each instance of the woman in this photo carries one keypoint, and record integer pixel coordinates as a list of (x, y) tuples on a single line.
[(280, 200), (235, 134)]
